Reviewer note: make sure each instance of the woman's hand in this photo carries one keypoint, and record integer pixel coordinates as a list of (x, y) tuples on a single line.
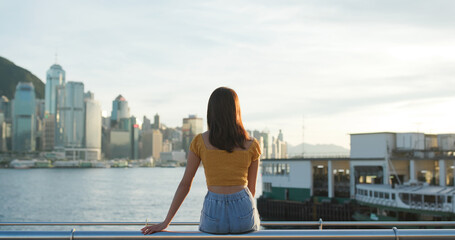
[(154, 228)]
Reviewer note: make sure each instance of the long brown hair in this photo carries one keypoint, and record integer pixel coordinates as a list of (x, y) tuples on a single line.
[(224, 120)]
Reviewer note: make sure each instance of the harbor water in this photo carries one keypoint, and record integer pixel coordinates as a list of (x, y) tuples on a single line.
[(96, 195)]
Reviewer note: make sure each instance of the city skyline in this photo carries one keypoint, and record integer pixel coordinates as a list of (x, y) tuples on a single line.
[(332, 67)]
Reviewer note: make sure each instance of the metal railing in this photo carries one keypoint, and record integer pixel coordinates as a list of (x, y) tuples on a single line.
[(358, 234), (320, 224), (369, 234)]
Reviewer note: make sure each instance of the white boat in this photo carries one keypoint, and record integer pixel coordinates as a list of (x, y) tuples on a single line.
[(22, 164), (100, 164), (415, 197), (168, 165)]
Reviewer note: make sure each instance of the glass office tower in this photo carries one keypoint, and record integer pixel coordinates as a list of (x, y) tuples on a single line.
[(24, 118), (55, 77), (70, 115), (120, 111)]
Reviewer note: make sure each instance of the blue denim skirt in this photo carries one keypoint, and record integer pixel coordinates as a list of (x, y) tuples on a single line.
[(229, 213)]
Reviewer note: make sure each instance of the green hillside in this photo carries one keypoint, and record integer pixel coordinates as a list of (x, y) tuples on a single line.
[(10, 75)]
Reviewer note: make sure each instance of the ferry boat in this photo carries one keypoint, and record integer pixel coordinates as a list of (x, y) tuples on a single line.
[(100, 164), (388, 176), (22, 164), (418, 198)]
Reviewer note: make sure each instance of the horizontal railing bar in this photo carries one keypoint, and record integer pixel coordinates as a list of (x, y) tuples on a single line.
[(364, 234), (263, 223), (355, 223)]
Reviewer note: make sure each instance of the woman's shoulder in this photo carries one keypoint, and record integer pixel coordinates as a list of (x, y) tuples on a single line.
[(254, 149), (197, 145), (252, 143)]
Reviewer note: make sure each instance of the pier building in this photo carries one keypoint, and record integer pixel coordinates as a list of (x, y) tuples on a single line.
[(388, 176)]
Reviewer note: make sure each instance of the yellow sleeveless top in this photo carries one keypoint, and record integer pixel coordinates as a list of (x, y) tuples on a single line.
[(223, 168)]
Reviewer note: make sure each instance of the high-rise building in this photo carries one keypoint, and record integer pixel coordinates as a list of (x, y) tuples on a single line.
[(157, 142), (40, 112), (167, 146), (40, 108), (190, 128), (147, 143), (89, 95), (55, 80), (106, 122), (122, 136), (174, 137), (146, 124), (284, 150), (134, 138), (48, 138), (156, 123), (5, 126), (92, 123), (280, 136), (152, 143), (120, 110), (24, 118), (2, 133), (5, 108), (105, 139), (70, 115), (267, 144), (119, 144), (55, 77), (279, 147)]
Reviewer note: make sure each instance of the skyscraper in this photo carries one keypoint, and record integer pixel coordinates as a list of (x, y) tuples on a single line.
[(55, 77), (5, 107), (24, 117), (92, 123), (2, 133), (157, 143), (121, 134), (70, 115), (147, 143), (120, 110), (146, 124), (119, 144), (5, 126), (190, 128), (48, 133), (156, 123), (134, 138), (280, 136), (152, 143)]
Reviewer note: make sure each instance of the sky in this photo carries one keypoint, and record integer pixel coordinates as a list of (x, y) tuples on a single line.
[(318, 70)]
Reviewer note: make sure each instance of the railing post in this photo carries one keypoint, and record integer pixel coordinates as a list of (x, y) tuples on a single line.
[(395, 230)]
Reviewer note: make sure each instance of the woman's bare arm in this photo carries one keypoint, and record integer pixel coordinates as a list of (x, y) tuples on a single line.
[(180, 195), (252, 176)]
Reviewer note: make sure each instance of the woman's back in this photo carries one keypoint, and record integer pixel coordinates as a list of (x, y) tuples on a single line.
[(205, 137), (225, 169)]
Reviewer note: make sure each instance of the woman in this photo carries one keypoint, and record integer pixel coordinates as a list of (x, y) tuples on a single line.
[(231, 160)]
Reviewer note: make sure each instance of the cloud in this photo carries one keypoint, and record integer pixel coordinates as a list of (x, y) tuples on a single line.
[(286, 59)]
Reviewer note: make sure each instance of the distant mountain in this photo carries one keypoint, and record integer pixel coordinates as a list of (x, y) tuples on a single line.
[(11, 75), (321, 150)]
